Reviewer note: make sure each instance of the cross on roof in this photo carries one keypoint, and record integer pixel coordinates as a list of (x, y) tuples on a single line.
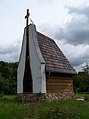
[(27, 17)]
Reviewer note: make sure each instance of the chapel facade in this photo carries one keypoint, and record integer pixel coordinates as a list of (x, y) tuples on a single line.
[(42, 68)]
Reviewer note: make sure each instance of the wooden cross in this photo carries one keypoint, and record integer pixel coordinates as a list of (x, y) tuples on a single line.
[(27, 17)]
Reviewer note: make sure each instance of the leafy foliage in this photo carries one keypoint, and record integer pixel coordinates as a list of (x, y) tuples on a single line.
[(81, 82), (8, 77)]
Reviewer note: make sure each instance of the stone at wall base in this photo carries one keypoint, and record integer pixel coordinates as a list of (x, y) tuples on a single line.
[(41, 97)]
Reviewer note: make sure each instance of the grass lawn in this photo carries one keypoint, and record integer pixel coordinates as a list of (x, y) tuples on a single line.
[(64, 109), (82, 94)]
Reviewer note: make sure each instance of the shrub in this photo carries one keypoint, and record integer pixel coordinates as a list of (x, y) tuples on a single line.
[(86, 98)]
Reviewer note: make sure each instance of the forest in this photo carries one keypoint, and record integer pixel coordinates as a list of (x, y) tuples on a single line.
[(8, 79)]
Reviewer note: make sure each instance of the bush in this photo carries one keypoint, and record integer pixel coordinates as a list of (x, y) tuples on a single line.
[(81, 82), (1, 95), (86, 98)]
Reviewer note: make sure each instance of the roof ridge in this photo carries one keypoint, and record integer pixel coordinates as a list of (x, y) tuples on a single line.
[(45, 36)]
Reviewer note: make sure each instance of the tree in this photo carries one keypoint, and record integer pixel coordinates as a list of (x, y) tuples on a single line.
[(8, 80), (81, 80), (86, 68)]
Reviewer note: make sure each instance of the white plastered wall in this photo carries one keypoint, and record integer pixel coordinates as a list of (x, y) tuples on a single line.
[(21, 66), (37, 63)]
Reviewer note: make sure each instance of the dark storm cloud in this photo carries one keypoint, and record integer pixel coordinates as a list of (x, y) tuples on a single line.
[(76, 31)]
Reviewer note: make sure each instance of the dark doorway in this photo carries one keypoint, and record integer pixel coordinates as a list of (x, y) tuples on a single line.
[(27, 81)]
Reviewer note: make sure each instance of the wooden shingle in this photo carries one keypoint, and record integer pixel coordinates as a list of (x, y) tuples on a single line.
[(55, 60)]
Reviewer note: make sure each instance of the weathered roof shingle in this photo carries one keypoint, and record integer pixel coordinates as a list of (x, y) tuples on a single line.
[(53, 56)]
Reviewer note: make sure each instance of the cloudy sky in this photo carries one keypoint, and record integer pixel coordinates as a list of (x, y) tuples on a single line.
[(66, 21)]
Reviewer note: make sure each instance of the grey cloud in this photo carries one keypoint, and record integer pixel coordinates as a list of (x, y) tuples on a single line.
[(79, 11), (8, 50), (76, 31), (10, 53), (80, 59), (77, 55), (76, 61)]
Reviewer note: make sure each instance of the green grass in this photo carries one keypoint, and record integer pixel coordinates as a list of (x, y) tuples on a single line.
[(7, 98), (83, 94), (64, 109)]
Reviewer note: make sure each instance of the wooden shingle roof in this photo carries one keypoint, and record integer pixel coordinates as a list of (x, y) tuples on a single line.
[(55, 60)]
